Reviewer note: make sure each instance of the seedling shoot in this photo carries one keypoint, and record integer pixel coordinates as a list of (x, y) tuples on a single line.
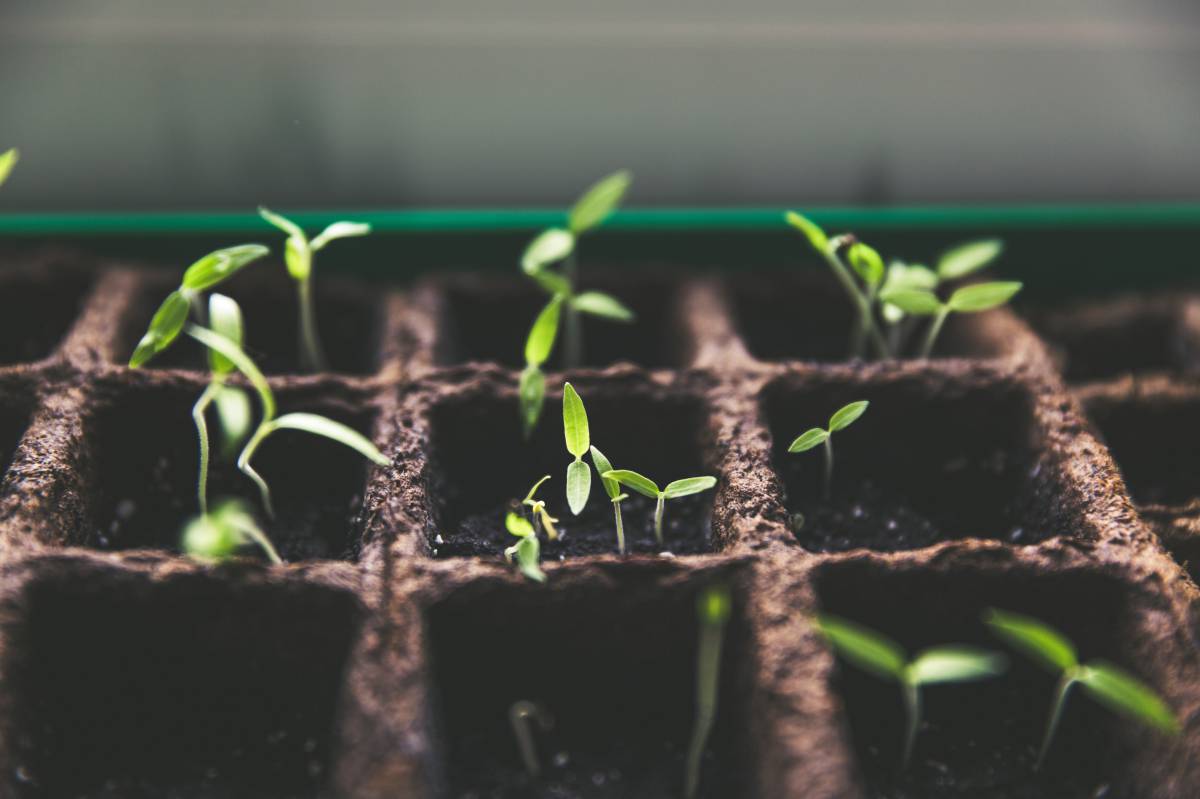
[(522, 715), (217, 535), (575, 431), (8, 160), (527, 551), (816, 436), (968, 299), (712, 610), (648, 488), (615, 495), (538, 512)]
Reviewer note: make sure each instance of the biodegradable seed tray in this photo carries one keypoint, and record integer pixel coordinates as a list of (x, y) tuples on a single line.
[(381, 660)]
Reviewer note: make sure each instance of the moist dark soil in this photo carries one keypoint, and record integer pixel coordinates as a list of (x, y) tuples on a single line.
[(37, 308)]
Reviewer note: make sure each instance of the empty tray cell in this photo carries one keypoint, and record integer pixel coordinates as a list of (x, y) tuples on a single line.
[(146, 460), (481, 466), (349, 324), (804, 315), (127, 686), (613, 662), (488, 319), (37, 309), (938, 455), (980, 739)]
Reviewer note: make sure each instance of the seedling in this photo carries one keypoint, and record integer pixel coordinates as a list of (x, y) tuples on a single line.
[(575, 431), (217, 535), (968, 299), (1106, 683), (527, 550), (539, 345), (298, 254), (648, 488), (884, 658), (712, 610), (841, 419), (519, 715), (8, 160), (615, 495), (537, 510)]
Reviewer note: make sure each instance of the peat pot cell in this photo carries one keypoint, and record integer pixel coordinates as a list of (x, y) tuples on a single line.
[(36, 312), (145, 463), (806, 316), (613, 665), (349, 323), (186, 688), (658, 437), (489, 320), (932, 459), (981, 739)]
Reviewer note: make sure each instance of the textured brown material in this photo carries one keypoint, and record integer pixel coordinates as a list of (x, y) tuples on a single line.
[(371, 670)]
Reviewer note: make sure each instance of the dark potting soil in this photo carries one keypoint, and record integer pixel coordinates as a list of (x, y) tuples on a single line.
[(37, 311)]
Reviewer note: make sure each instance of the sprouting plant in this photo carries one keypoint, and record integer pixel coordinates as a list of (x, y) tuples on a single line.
[(527, 550), (615, 495), (520, 713), (298, 255), (712, 609), (1106, 683), (884, 658), (841, 419), (648, 488), (538, 512), (575, 431), (551, 247), (8, 160), (219, 533), (968, 299)]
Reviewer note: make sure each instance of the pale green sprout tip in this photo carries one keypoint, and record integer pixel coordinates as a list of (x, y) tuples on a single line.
[(8, 160), (814, 437), (713, 607)]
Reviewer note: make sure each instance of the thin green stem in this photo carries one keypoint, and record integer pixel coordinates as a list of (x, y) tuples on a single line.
[(616, 503), (658, 518), (708, 665), (827, 484), (243, 464), (935, 327), (912, 706), (312, 357), (198, 411), (1060, 699), (866, 317), (259, 537), (859, 339), (573, 335)]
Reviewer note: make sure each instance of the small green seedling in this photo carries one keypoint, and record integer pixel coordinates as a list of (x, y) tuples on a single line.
[(539, 345), (575, 431), (884, 658), (216, 535), (648, 488), (298, 255), (968, 299), (8, 160), (712, 609), (1106, 683), (527, 550), (520, 714), (538, 512), (841, 419), (615, 495)]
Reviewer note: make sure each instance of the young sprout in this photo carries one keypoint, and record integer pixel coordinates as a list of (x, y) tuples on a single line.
[(527, 550), (647, 488), (615, 495), (537, 509), (841, 419), (298, 255), (8, 160), (712, 609), (968, 299), (519, 715), (884, 658), (575, 431), (218, 534), (1106, 683), (539, 345)]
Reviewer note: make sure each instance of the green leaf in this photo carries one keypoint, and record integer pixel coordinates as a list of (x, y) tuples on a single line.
[(714, 605), (809, 439), (164, 328), (540, 343), (864, 648), (532, 394), (233, 412), (548, 247), (816, 236), (225, 319), (968, 258), (335, 431), (599, 201), (518, 525), (339, 230), (282, 222), (552, 282), (220, 265), (611, 487), (982, 296), (297, 255), (533, 489), (209, 537), (626, 477), (529, 552), (575, 422), (579, 486), (904, 276), (866, 262), (599, 304), (242, 361), (1038, 640), (955, 664), (688, 486), (847, 415), (1124, 694), (8, 160), (912, 301)]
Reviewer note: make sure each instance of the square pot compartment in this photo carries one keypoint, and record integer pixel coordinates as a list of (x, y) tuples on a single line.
[(980, 739), (138, 686), (145, 460), (613, 659), (487, 319), (350, 322), (939, 455), (39, 303), (805, 315), (480, 465)]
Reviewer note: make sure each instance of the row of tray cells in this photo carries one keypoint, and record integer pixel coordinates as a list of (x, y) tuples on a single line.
[(122, 726)]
